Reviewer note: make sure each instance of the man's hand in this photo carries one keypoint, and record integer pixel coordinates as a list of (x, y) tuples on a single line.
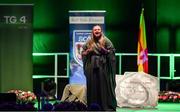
[(87, 51)]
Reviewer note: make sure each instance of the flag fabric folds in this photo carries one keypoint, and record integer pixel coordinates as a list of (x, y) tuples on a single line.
[(142, 51)]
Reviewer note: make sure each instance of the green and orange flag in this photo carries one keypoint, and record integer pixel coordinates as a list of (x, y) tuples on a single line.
[(142, 56)]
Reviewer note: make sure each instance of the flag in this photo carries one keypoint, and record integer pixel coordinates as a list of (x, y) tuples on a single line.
[(142, 51)]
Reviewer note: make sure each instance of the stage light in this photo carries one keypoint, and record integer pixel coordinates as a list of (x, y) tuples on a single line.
[(48, 89)]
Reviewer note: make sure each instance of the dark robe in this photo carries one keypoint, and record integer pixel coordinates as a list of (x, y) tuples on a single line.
[(99, 69)]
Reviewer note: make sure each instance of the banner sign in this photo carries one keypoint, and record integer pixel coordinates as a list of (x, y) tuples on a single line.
[(16, 40), (81, 23)]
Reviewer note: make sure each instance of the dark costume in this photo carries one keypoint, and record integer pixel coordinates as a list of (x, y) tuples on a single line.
[(99, 69)]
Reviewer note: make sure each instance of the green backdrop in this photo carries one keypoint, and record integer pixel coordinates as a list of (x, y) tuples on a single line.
[(51, 28)]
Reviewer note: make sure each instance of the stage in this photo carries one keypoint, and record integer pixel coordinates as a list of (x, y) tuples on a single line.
[(162, 107)]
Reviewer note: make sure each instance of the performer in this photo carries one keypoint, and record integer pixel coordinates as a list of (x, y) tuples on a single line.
[(98, 57)]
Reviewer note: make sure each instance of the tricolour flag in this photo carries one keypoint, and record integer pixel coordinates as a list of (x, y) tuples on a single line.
[(142, 57)]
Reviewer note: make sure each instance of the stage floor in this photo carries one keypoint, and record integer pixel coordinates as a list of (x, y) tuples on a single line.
[(162, 107)]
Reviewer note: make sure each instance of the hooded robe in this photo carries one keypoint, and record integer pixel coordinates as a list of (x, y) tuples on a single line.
[(99, 69)]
